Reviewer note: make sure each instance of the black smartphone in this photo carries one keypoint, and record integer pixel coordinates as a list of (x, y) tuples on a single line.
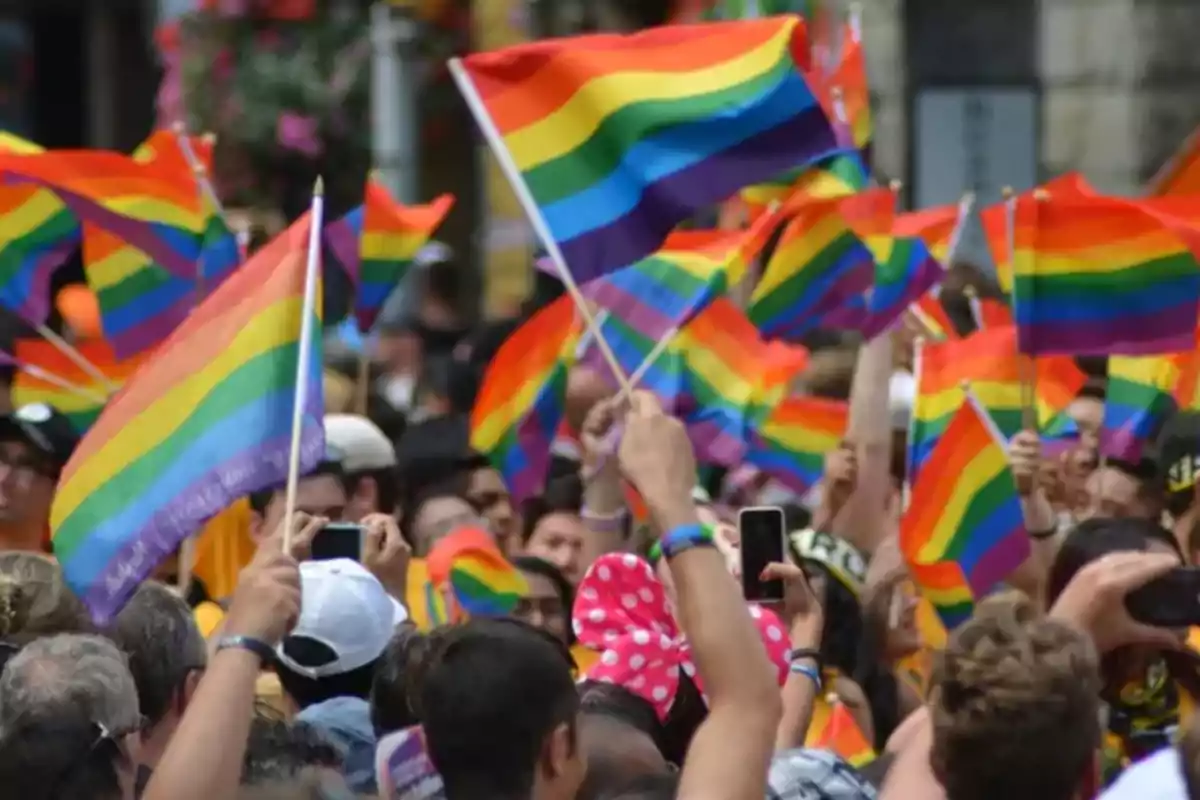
[(1171, 601), (338, 540), (762, 534)]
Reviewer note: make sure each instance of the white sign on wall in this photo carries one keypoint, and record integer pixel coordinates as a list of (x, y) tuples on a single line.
[(973, 140)]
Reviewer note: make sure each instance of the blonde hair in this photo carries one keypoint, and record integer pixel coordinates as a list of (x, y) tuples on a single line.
[(35, 600)]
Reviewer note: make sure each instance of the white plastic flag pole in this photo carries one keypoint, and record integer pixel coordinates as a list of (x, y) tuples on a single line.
[(304, 359), (491, 133)]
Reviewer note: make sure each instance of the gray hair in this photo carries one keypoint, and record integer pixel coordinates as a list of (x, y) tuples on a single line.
[(69, 671), (159, 635)]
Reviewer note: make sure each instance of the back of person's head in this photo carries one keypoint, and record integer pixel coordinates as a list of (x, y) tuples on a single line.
[(315, 783), (619, 734), (65, 756), (158, 634), (647, 787), (345, 624), (498, 706), (69, 671), (1097, 537), (1014, 706), (278, 750), (35, 600), (391, 701)]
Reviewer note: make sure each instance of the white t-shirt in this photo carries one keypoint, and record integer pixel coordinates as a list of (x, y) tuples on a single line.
[(1159, 777)]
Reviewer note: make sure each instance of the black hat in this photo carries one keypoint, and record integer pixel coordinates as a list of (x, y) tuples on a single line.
[(45, 428), (1179, 453)]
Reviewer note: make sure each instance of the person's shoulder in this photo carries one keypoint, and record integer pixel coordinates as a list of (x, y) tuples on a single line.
[(1159, 777)]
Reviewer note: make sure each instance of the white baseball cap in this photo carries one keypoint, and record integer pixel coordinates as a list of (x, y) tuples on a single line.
[(345, 608), (360, 442)]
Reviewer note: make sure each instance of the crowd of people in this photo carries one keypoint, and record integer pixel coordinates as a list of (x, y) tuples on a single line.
[(632, 667)]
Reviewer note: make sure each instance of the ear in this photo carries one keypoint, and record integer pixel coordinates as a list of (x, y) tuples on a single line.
[(557, 751), (256, 527)]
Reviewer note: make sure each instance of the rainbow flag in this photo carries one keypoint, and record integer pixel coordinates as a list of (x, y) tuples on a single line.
[(1138, 399), (204, 422), (39, 235), (377, 243), (962, 537), (520, 402), (1100, 276), (988, 361), (839, 175), (720, 365), (619, 138), (908, 273), (484, 583), (994, 220), (140, 301), (149, 206), (1181, 174), (990, 312), (219, 251), (82, 407), (939, 227), (850, 77), (833, 728), (819, 265), (663, 291), (791, 443), (932, 317)]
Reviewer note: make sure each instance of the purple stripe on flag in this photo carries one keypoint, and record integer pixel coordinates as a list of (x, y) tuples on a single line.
[(1170, 330), (136, 232), (151, 332), (342, 240), (999, 562), (667, 202), (37, 305), (180, 518)]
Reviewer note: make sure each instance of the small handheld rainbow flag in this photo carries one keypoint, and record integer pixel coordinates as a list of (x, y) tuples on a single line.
[(1181, 174), (152, 206), (791, 443), (833, 728), (81, 407), (1100, 276), (619, 138), (932, 317), (994, 220), (963, 537), (940, 228), (520, 401), (37, 234), (819, 265), (663, 291), (484, 583), (377, 243), (1138, 399), (206, 421), (989, 362)]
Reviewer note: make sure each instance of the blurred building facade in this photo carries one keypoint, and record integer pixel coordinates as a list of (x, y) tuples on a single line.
[(969, 95)]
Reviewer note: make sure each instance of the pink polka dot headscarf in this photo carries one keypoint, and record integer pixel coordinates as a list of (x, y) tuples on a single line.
[(621, 611)]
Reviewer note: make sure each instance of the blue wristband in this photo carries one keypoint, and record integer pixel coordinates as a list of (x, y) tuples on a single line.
[(264, 651), (685, 537), (808, 671)]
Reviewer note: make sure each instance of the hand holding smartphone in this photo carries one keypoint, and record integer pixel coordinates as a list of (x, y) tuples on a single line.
[(339, 540), (763, 536), (1170, 601)]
